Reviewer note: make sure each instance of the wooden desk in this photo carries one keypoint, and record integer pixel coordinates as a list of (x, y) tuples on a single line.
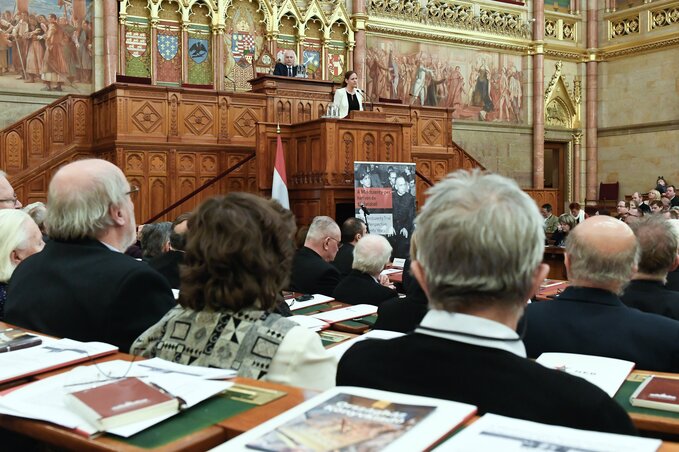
[(649, 420), (547, 293), (240, 423), (554, 257)]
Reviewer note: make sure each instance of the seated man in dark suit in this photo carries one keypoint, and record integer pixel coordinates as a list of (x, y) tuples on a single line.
[(167, 264), (364, 284), (466, 348), (352, 230), (88, 289), (287, 68), (312, 271), (404, 314), (647, 291), (588, 317)]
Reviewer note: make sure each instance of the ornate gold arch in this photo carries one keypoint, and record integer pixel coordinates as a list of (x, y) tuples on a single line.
[(562, 107)]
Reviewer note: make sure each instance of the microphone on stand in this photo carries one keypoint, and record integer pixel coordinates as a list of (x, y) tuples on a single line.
[(366, 97), (232, 81), (366, 212)]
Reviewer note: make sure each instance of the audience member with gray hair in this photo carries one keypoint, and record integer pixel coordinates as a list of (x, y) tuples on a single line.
[(8, 199), (312, 271), (646, 292), (466, 348), (364, 283), (155, 239), (602, 254), (89, 290), (38, 212), (21, 238)]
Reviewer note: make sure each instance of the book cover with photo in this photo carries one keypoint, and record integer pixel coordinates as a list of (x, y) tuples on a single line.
[(344, 422)]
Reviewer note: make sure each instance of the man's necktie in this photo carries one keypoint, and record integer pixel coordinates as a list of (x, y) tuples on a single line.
[(289, 71)]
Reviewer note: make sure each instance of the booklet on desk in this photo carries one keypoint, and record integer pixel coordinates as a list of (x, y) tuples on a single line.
[(49, 356), (657, 392), (121, 402), (606, 373), (349, 418), (12, 339), (499, 433), (348, 313)]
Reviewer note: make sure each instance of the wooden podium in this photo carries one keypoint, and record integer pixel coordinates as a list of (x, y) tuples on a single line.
[(320, 156)]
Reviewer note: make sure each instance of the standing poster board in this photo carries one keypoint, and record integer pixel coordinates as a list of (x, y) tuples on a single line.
[(385, 200)]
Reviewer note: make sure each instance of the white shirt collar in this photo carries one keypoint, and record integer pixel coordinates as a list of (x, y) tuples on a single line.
[(112, 248), (471, 329)]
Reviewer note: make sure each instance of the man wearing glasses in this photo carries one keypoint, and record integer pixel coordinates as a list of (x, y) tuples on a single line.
[(89, 290), (8, 199), (312, 271)]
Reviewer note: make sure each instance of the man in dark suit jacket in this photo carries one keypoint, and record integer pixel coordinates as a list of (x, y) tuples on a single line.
[(588, 317), (88, 289), (287, 68), (647, 291), (167, 264), (364, 284), (352, 230), (312, 271), (403, 314), (466, 348)]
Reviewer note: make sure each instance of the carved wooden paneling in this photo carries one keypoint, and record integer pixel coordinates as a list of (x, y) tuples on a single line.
[(81, 120), (14, 151), (169, 141), (59, 122), (36, 140), (545, 196)]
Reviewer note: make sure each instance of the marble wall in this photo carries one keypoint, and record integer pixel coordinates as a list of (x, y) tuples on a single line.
[(639, 120)]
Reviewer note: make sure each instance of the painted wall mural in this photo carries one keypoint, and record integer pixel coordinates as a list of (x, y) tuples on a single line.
[(479, 85), (46, 45)]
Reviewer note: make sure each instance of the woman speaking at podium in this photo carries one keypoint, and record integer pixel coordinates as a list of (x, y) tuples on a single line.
[(349, 97)]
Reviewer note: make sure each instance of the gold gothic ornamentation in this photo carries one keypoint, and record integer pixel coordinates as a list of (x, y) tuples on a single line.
[(664, 17), (639, 49), (623, 26), (562, 108), (449, 38), (451, 14), (561, 28)]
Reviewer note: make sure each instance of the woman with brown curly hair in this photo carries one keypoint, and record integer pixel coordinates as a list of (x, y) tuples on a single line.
[(238, 259)]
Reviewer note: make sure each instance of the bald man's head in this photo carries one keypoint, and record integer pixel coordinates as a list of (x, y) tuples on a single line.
[(601, 252)]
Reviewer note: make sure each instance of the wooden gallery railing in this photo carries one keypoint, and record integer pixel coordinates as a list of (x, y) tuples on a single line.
[(182, 145)]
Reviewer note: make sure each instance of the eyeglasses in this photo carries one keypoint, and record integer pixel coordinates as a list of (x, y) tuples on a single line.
[(332, 238), (13, 199), (133, 189)]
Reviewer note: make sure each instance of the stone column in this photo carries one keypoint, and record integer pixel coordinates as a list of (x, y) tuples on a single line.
[(577, 138), (359, 17), (539, 96), (110, 19), (591, 104)]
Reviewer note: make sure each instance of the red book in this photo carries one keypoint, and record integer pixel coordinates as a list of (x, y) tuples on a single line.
[(656, 392), (122, 402)]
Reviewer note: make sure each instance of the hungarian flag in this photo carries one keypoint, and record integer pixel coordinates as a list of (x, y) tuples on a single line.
[(279, 187)]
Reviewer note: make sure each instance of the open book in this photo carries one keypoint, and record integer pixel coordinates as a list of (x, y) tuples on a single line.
[(349, 418)]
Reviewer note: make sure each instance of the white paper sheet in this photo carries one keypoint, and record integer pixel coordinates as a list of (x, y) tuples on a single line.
[(350, 312), (50, 354), (607, 373), (309, 322), (389, 271), (316, 299), (500, 433)]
